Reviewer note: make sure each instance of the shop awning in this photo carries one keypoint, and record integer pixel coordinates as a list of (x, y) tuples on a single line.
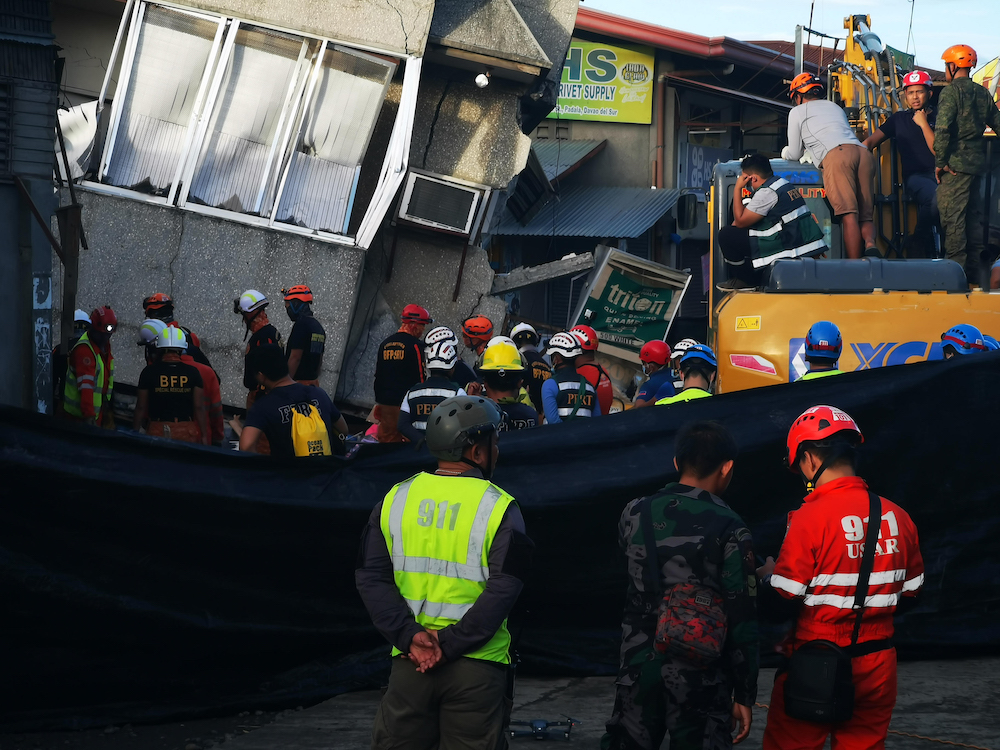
[(729, 93), (561, 157)]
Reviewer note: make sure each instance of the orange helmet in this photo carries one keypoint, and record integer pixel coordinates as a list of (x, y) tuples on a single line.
[(962, 55), (156, 302), (299, 292), (478, 328), (802, 83)]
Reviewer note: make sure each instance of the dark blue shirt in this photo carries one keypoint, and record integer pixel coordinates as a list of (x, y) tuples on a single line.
[(913, 151), (660, 385), (517, 416), (272, 415)]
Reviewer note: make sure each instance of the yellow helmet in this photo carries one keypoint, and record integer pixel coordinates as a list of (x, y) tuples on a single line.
[(502, 356)]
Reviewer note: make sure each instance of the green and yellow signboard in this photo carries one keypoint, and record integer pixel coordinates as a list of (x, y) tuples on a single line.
[(611, 83)]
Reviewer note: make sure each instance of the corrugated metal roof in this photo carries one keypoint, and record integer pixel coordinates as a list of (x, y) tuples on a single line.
[(560, 156), (595, 212)]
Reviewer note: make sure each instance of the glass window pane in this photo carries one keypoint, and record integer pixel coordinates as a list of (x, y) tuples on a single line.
[(171, 54), (338, 124), (263, 75)]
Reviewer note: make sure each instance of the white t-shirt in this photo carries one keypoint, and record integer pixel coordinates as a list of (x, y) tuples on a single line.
[(762, 201), (820, 126)]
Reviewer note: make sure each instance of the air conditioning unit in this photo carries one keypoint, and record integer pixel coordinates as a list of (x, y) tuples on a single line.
[(443, 203)]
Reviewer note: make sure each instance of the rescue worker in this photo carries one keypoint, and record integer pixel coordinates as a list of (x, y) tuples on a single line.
[(463, 374), (655, 359), (418, 403), (965, 110), (819, 564), (307, 340), (447, 622), (588, 366), (161, 307), (90, 372), (60, 360), (820, 127), (702, 548), (476, 334), (698, 367), (251, 305), (823, 348), (567, 395), (962, 339), (171, 397), (680, 348), (538, 370), (399, 366), (502, 370), (776, 223), (913, 130)]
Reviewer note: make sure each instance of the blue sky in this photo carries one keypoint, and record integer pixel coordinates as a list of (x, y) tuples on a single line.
[(937, 24)]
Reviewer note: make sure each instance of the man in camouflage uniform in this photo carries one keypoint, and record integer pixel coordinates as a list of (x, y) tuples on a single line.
[(964, 110), (700, 540)]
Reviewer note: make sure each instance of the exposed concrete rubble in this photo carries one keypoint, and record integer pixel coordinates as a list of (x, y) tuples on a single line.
[(522, 277)]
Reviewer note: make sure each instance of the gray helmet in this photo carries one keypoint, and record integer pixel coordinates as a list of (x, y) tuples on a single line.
[(457, 422)]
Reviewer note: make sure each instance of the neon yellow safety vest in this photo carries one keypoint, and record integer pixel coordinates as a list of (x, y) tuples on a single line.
[(71, 393), (813, 374), (439, 531), (688, 394)]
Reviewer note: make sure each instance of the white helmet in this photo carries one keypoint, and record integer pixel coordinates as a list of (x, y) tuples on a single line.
[(439, 334), (171, 338), (566, 344), (441, 355), (523, 333), (150, 331), (81, 316), (680, 347), (250, 301), (499, 340)]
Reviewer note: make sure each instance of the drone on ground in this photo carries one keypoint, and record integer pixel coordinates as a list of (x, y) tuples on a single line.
[(540, 729)]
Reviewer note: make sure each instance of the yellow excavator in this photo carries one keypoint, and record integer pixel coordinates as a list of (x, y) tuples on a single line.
[(890, 311)]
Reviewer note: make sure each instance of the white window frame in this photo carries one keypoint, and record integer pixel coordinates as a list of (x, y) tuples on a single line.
[(289, 128)]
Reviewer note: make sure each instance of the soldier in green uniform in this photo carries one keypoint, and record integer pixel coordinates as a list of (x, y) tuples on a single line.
[(965, 109), (699, 540)]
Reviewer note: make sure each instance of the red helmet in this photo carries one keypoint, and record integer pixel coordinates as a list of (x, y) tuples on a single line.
[(415, 314), (478, 327), (104, 321), (655, 352), (819, 423), (157, 302), (588, 337), (299, 292), (916, 78)]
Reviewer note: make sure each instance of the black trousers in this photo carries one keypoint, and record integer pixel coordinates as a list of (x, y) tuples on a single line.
[(735, 245)]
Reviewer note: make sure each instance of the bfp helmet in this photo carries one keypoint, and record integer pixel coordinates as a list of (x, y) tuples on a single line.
[(81, 322), (523, 334), (415, 314), (104, 321), (439, 334), (916, 78), (823, 341), (150, 329), (962, 55), (457, 422), (802, 83), (441, 355), (157, 302), (681, 347), (964, 339), (502, 356), (699, 353), (587, 336), (991, 343), (816, 424), (565, 344), (655, 352), (171, 338), (250, 301), (478, 328), (298, 293)]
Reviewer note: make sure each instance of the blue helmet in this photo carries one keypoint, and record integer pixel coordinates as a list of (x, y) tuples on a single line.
[(964, 339), (991, 343), (699, 352), (823, 341)]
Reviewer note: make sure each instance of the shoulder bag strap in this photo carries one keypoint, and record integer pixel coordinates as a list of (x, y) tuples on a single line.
[(580, 395), (651, 573), (867, 560)]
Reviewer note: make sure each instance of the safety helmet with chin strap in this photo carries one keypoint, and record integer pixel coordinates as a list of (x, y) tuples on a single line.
[(524, 333), (150, 329), (250, 301), (565, 344), (171, 338), (439, 334), (458, 422), (441, 355), (827, 426)]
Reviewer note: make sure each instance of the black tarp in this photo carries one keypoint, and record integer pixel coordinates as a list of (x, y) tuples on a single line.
[(142, 579)]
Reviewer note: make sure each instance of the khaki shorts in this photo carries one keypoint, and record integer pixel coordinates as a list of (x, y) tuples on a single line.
[(848, 175)]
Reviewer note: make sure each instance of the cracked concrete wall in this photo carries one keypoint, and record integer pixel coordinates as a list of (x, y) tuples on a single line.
[(139, 248)]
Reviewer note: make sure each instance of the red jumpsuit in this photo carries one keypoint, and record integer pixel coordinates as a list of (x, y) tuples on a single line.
[(819, 562), (601, 381)]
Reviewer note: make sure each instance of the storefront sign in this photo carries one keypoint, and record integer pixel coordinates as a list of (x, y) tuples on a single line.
[(607, 83)]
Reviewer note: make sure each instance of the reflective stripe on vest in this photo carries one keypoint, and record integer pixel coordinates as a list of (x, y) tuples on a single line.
[(688, 394), (438, 531), (788, 230), (71, 391), (813, 374), (569, 382), (423, 397)]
